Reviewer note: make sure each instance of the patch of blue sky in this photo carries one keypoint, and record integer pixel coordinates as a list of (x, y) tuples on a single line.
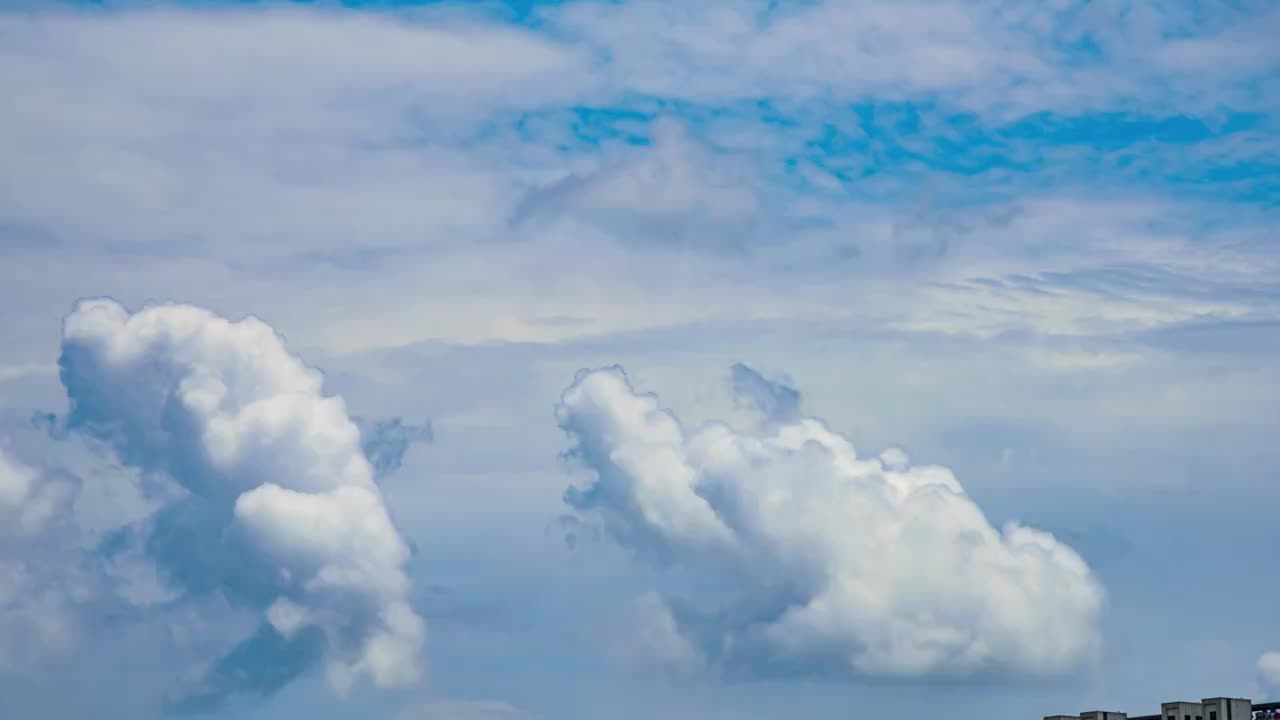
[(596, 127), (1112, 131), (927, 136), (1177, 152), (905, 140), (589, 128), (522, 12), (1257, 182), (569, 131)]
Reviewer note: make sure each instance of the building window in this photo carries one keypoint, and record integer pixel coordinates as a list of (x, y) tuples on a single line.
[(1213, 715)]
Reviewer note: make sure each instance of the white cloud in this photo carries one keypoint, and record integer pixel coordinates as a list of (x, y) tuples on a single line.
[(1269, 670), (819, 556), (282, 514)]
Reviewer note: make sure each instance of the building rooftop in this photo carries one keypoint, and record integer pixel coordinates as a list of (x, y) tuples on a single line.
[(1206, 709)]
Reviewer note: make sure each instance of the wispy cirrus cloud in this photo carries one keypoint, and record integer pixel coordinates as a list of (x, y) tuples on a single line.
[(985, 56), (597, 126)]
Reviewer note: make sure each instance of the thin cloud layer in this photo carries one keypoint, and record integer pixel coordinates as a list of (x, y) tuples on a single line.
[(989, 57), (463, 710), (29, 499), (280, 513), (388, 150), (819, 557), (674, 190), (36, 601)]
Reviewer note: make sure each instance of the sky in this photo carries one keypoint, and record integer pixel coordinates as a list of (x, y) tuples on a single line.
[(550, 360)]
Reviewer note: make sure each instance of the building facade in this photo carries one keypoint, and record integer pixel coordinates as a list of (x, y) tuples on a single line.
[(1218, 708)]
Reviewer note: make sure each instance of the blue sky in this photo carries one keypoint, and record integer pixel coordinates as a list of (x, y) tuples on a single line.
[(1031, 243)]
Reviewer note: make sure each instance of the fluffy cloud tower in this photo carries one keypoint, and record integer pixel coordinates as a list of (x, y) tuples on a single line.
[(278, 510), (784, 548)]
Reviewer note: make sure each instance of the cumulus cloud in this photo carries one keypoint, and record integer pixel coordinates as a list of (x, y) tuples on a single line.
[(797, 552), (1269, 670), (279, 511)]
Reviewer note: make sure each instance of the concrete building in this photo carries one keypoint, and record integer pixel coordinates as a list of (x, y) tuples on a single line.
[(1181, 710), (1218, 708), (1227, 709)]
